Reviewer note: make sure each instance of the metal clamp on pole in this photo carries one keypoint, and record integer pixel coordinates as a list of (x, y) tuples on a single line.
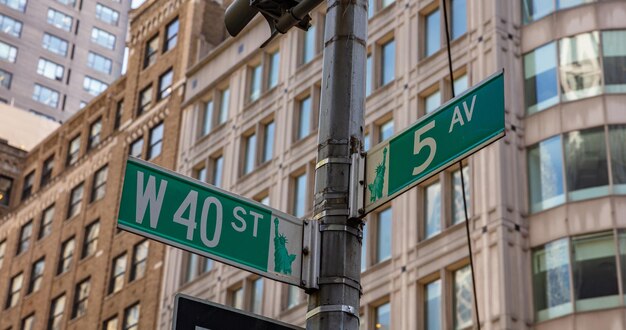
[(357, 186), (310, 255), (351, 310)]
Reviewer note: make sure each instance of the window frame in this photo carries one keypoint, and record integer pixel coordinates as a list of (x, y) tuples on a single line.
[(154, 142), (90, 244), (98, 189), (66, 258), (75, 202)]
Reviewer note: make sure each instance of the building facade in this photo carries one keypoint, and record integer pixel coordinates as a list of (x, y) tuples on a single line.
[(546, 203), (56, 55), (64, 263)]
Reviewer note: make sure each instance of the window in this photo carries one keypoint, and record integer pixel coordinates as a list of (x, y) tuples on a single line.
[(459, 18), (274, 62), (99, 63), (90, 241), (150, 55), (50, 69), (98, 188), (299, 197), (136, 148), (46, 222), (25, 233), (14, 291), (46, 171), (224, 103), (156, 141), (304, 118), (67, 2), (432, 210), (364, 254), (93, 86), (386, 130), (250, 152), (458, 210), (383, 235), (3, 250), (256, 74), (191, 266), (579, 66), (617, 136), (461, 84), (10, 26), (432, 102), (54, 44), (236, 298), (257, 296), (131, 317), (6, 185), (57, 307), (432, 305), (110, 324), (140, 260), (545, 173), (293, 296), (145, 99), (388, 59), (218, 169), (8, 52), (614, 58), (586, 168), (165, 84), (28, 323), (76, 199), (73, 150), (551, 281), (59, 20), (207, 120), (19, 5), (433, 37), (383, 317), (118, 114), (540, 83), (46, 96), (117, 274), (200, 174), (103, 38), (536, 9), (268, 141), (107, 15), (462, 298), (369, 70), (67, 253), (171, 35), (81, 293), (207, 265), (94, 133), (27, 187), (5, 79), (308, 45)]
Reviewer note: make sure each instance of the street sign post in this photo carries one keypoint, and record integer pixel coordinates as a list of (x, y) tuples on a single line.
[(194, 314), (457, 129), (203, 219)]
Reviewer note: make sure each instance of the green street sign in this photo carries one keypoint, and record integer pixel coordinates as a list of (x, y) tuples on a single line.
[(457, 129), (203, 219)]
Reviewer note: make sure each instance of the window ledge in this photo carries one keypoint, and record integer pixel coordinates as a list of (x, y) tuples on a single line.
[(376, 266), (381, 11)]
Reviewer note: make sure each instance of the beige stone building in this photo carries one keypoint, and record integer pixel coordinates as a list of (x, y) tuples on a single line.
[(547, 204), (55, 56), (63, 263)]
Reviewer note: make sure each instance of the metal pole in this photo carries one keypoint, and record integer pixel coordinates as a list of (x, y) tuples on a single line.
[(335, 305)]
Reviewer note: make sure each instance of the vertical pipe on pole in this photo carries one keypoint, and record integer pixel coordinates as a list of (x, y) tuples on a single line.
[(335, 305)]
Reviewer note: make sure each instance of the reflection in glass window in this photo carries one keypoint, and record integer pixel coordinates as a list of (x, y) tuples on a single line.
[(595, 272), (621, 237), (614, 61), (304, 118), (433, 305), (268, 142), (551, 281), (207, 117), (293, 296), (387, 2), (388, 62), (165, 84), (308, 47), (150, 52), (364, 249), (432, 209), (562, 4), (383, 237), (19, 5), (386, 130), (224, 102), (462, 298), (300, 196), (586, 163), (103, 38), (458, 211), (99, 63), (540, 84), (136, 148), (218, 168), (433, 39), (273, 72), (257, 296), (383, 317), (368, 75), (5, 190), (46, 96), (536, 9), (545, 173), (432, 102), (459, 18), (10, 26), (617, 136), (460, 84), (94, 86), (579, 66), (50, 69), (59, 20), (54, 44), (5, 79), (256, 73), (250, 153), (156, 141), (57, 307), (106, 14), (171, 35), (8, 52)]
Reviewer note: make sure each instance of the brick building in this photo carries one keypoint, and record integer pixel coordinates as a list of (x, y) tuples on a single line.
[(65, 264)]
